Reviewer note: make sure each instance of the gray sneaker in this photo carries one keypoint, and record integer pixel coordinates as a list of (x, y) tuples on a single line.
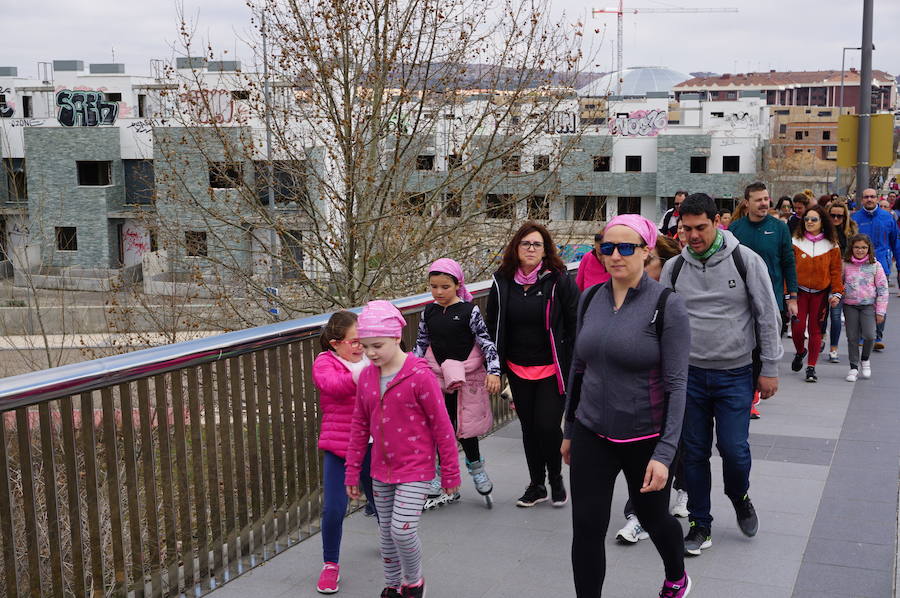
[(698, 538)]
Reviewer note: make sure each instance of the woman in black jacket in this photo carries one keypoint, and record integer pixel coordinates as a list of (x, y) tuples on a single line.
[(531, 318)]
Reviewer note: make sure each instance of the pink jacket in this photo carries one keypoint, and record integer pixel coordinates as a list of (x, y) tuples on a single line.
[(337, 398), (866, 284), (407, 423), (473, 404), (590, 271)]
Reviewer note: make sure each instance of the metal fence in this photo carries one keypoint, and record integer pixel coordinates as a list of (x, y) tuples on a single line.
[(166, 471)]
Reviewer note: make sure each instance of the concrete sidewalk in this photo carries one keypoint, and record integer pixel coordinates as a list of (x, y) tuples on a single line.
[(824, 482)]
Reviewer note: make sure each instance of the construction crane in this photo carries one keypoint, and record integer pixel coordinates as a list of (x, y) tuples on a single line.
[(619, 12)]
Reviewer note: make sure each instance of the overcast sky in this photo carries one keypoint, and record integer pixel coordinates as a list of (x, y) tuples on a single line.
[(764, 34)]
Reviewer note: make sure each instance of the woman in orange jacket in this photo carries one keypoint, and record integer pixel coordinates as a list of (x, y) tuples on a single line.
[(818, 258)]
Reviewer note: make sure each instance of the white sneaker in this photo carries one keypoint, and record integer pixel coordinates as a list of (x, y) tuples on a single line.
[(853, 375), (632, 532), (679, 508), (865, 369)]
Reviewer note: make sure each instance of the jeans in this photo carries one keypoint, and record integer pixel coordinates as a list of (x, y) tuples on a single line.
[(723, 397), (595, 464), (834, 314), (335, 502), (879, 329)]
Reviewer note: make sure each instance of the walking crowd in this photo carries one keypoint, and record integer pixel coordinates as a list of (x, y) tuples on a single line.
[(599, 373)]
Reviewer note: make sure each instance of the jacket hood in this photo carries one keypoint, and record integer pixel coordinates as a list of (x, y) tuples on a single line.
[(723, 254)]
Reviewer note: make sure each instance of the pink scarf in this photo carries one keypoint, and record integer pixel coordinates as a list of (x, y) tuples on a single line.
[(859, 262), (528, 279), (814, 238)]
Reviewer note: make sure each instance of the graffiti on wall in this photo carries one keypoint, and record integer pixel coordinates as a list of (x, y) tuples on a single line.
[(136, 241), (209, 106), (146, 125), (562, 123), (26, 122), (6, 110), (640, 123), (79, 108)]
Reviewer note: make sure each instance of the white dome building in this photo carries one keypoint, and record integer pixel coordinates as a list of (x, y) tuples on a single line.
[(636, 81)]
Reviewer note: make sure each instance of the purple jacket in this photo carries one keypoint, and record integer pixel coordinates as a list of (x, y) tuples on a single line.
[(407, 424)]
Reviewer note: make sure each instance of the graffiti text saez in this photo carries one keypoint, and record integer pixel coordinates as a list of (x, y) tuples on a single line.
[(85, 109)]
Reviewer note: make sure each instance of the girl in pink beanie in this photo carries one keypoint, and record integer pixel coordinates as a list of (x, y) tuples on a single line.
[(454, 338), (398, 403)]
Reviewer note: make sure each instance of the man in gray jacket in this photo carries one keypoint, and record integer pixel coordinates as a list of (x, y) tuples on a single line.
[(732, 313)]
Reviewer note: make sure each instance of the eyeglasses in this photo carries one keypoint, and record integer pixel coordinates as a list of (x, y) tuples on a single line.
[(869, 196), (625, 249), (531, 245), (811, 219), (355, 344), (837, 216)]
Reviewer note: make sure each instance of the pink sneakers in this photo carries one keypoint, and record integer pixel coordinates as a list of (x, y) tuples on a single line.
[(678, 589), (329, 578)]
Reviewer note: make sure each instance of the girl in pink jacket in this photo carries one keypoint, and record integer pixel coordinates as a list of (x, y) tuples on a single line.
[(454, 338), (335, 373), (865, 302), (398, 403)]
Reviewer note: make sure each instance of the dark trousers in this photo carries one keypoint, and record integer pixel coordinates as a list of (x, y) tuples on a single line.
[(469, 445), (595, 463), (723, 397), (676, 476), (540, 409), (335, 502)]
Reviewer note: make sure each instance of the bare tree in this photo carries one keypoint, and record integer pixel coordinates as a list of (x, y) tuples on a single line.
[(385, 134)]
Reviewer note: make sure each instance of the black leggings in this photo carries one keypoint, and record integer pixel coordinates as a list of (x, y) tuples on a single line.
[(470, 445), (595, 463), (676, 475), (540, 409)]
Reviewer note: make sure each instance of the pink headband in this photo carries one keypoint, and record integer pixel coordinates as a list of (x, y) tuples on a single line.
[(380, 318), (639, 224), (447, 266)]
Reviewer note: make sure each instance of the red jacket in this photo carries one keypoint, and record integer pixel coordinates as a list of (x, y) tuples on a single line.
[(407, 424), (337, 398)]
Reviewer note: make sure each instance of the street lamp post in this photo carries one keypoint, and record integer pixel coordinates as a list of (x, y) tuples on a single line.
[(838, 179), (843, 61)]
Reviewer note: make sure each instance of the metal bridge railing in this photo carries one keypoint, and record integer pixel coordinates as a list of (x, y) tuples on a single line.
[(166, 471)]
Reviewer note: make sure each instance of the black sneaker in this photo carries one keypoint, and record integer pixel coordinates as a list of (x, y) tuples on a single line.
[(797, 364), (391, 593), (558, 495), (534, 494), (746, 516), (811, 374), (413, 591), (697, 539)]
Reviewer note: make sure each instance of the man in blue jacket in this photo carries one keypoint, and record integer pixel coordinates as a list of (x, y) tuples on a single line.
[(881, 228)]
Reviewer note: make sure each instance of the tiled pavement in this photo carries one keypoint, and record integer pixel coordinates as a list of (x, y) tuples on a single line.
[(824, 481)]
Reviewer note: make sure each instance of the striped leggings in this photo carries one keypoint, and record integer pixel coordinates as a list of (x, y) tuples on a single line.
[(399, 507)]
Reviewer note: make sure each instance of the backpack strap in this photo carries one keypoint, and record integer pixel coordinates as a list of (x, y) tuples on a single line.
[(659, 315), (588, 297), (676, 270), (739, 263)]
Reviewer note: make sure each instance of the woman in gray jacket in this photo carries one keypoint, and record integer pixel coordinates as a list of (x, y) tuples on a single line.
[(625, 406)]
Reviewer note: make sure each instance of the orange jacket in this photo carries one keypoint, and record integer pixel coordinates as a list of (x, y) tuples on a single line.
[(818, 265)]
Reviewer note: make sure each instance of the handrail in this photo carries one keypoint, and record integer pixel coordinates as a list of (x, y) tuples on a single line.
[(32, 388)]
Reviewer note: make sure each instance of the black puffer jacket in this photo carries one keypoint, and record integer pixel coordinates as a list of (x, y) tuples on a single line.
[(561, 303)]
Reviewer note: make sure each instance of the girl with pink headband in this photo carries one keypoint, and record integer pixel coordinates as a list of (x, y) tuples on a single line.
[(454, 338), (400, 405)]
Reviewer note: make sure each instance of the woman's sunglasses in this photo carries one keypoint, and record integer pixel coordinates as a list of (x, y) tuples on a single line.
[(625, 249)]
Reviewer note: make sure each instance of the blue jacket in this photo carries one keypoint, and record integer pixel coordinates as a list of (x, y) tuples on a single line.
[(882, 229)]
